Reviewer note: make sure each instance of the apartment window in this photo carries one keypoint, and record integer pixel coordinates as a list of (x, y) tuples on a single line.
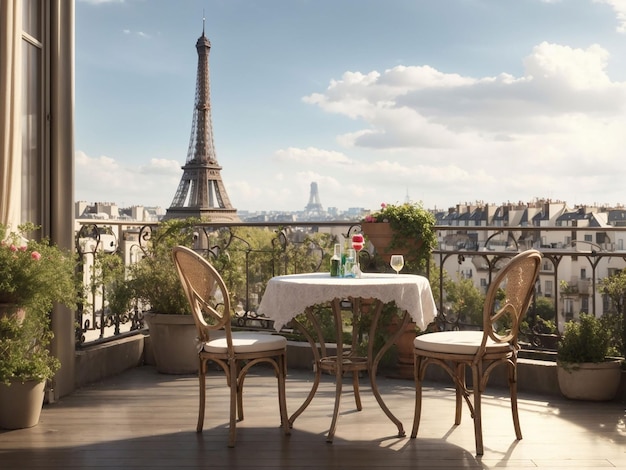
[(548, 289), (588, 238), (34, 152), (620, 244), (583, 273)]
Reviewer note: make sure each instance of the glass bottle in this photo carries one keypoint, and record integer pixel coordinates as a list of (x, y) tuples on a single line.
[(335, 262)]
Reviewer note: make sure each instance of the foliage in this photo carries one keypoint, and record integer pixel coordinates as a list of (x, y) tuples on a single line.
[(24, 351), (154, 280), (261, 252), (613, 323), (540, 326), (35, 274), (111, 273), (585, 340), (543, 307), (410, 222), (615, 288), (464, 300)]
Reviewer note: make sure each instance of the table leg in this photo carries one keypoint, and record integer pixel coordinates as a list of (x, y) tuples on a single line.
[(336, 307), (316, 361), (373, 362)]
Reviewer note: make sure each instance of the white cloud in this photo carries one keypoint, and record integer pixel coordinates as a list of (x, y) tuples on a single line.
[(141, 34), (619, 6), (490, 137), (102, 179)]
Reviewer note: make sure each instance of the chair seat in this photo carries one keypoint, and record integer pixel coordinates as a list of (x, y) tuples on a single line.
[(457, 342), (246, 342)]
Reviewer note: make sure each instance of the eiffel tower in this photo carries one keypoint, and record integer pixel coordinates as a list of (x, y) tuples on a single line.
[(201, 192)]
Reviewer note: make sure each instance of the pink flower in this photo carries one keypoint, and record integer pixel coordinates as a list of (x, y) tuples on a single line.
[(369, 218), (13, 248), (383, 205), (35, 255), (23, 248)]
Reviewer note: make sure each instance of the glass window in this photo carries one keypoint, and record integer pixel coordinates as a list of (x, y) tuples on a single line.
[(33, 112), (548, 289), (32, 18), (32, 144)]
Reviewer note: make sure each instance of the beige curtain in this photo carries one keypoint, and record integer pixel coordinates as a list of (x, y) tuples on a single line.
[(10, 111)]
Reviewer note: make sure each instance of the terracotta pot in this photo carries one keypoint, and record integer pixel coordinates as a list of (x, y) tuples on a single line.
[(20, 404), (590, 381), (12, 311), (380, 234), (174, 343), (405, 347)]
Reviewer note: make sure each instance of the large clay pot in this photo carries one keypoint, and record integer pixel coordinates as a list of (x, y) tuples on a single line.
[(174, 342), (405, 347), (21, 403), (380, 235), (590, 381)]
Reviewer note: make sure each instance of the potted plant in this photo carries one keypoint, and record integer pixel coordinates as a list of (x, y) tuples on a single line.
[(34, 275), (584, 370), (406, 229), (156, 286)]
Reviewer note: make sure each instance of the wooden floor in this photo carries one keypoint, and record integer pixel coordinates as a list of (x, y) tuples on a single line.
[(142, 419)]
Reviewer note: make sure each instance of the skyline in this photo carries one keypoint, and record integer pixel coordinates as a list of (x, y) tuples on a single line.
[(446, 102)]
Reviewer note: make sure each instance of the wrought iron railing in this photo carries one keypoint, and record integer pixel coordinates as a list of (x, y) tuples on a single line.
[(480, 254)]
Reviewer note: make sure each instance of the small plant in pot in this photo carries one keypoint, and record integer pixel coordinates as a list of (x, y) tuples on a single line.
[(585, 372), (34, 275), (156, 286)]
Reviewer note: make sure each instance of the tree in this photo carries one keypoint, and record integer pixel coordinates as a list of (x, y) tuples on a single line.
[(465, 300), (614, 287)]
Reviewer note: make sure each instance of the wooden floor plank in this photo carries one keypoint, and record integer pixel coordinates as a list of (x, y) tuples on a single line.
[(142, 419)]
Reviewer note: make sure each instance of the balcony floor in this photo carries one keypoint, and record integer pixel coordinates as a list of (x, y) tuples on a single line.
[(142, 419)]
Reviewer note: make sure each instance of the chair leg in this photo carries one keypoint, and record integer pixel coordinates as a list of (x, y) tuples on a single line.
[(460, 387), (333, 424), (355, 386), (234, 386), (240, 379), (418, 395), (478, 425), (513, 390), (202, 394), (282, 395)]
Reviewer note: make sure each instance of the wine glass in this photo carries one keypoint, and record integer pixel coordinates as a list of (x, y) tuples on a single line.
[(397, 263), (358, 242)]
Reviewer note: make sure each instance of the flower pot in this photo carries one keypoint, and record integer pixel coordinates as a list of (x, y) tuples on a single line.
[(589, 380), (404, 346), (20, 404), (380, 235), (174, 342)]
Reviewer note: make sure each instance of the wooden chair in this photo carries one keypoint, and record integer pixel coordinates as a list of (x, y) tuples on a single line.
[(507, 300), (234, 352)]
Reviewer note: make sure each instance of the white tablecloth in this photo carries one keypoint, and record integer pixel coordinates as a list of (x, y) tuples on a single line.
[(288, 296)]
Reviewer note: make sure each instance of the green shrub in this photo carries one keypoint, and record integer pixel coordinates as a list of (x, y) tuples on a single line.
[(585, 340)]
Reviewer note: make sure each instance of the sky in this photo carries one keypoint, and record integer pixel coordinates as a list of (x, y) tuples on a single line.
[(377, 101)]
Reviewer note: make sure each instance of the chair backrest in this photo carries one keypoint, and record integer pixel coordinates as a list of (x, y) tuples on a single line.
[(509, 296), (206, 291)]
